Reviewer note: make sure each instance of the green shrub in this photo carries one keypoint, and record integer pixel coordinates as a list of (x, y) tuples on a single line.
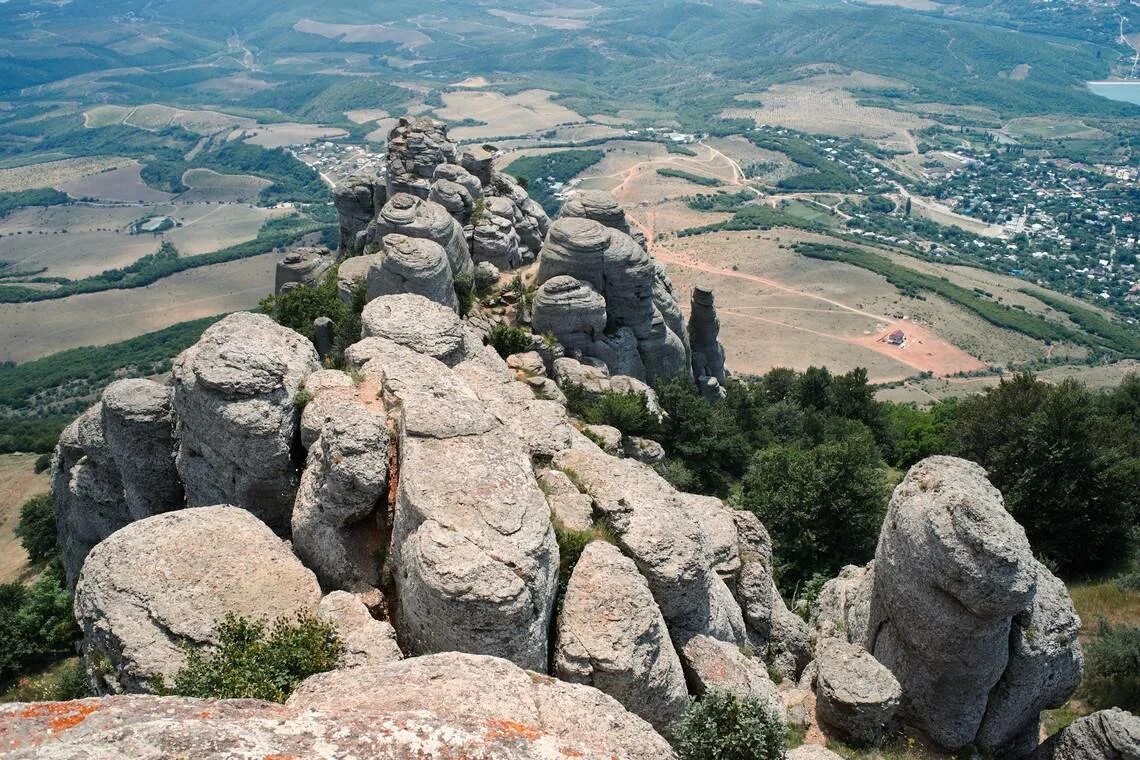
[(722, 726), (465, 293), (255, 662), (63, 681), (628, 412), (43, 462), (508, 339), (1112, 668), (36, 625), (36, 529)]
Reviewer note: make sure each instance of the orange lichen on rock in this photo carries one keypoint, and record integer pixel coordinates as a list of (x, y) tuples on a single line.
[(509, 729), (60, 716)]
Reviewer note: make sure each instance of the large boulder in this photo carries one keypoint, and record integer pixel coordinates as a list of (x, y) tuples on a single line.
[(167, 581), (843, 609), (575, 247), (570, 310), (712, 664), (413, 265), (952, 569), (447, 705), (408, 215), (611, 636), (237, 423), (495, 241), (855, 695), (138, 426), (1105, 735), (302, 267), (424, 326), (599, 205), (366, 640)]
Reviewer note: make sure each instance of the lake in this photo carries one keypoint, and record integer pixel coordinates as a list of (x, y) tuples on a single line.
[(1128, 92)]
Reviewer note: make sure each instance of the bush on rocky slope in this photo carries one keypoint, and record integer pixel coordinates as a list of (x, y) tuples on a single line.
[(724, 726)]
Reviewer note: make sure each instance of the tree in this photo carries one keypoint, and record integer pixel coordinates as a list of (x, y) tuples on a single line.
[(36, 529), (723, 726), (705, 437), (1059, 461), (823, 505), (37, 625), (1112, 668)]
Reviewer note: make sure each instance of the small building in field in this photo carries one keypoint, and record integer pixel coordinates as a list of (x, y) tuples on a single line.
[(897, 338)]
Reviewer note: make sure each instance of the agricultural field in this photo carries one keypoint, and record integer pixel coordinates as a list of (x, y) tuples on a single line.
[(154, 116), (56, 173), (122, 185), (18, 483), (1053, 128), (208, 186), (32, 330), (503, 115)]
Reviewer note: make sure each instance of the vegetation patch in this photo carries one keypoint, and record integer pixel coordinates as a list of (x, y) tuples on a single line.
[(724, 726), (546, 174), (696, 179)]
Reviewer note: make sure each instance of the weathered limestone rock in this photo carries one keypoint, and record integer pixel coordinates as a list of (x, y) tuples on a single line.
[(569, 506), (353, 273), (644, 450), (576, 248), (417, 218), (592, 379), (855, 695), (413, 265), (670, 547), (138, 427), (952, 569), (1105, 735), (479, 162), (1044, 670), (338, 515), (714, 664), (667, 305), (629, 276), (416, 146), (414, 321), (495, 241), (789, 640), (704, 331), (447, 705), (486, 277), (611, 636), (366, 641), (606, 436), (87, 489), (304, 266), (572, 311), (529, 364), (233, 396), (169, 579), (460, 176), (328, 391), (355, 202), (619, 351), (599, 205), (844, 606), (454, 197), (754, 586)]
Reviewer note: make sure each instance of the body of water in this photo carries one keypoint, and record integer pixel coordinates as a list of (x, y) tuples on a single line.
[(1129, 92)]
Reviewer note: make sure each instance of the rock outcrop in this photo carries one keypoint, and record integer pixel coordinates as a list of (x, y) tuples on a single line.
[(446, 705), (414, 217), (412, 265), (1105, 735), (980, 635), (366, 640), (302, 267), (167, 581), (704, 332), (611, 636), (424, 326), (237, 424), (357, 202), (583, 259)]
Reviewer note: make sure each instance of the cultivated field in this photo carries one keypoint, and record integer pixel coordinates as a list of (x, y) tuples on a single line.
[(97, 237), (55, 173), (18, 483), (823, 104), (523, 113), (1050, 127), (122, 185), (552, 22), (629, 171), (33, 330), (154, 116), (208, 186), (284, 134)]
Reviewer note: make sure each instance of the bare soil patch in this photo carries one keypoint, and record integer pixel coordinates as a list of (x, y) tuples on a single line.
[(504, 115)]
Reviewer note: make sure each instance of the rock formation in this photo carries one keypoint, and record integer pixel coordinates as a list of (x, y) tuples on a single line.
[(708, 354), (411, 265), (1105, 735), (237, 424), (446, 705), (855, 694), (611, 636), (357, 202), (302, 266), (980, 635), (168, 580)]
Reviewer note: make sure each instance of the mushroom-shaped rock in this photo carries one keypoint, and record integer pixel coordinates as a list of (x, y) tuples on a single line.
[(952, 569), (495, 241), (446, 705), (303, 266), (233, 396), (413, 265), (855, 695), (408, 215), (575, 247), (453, 197), (366, 640), (138, 427), (460, 176), (1105, 735), (611, 636), (599, 205), (629, 275), (422, 325), (336, 529), (572, 310), (169, 580)]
